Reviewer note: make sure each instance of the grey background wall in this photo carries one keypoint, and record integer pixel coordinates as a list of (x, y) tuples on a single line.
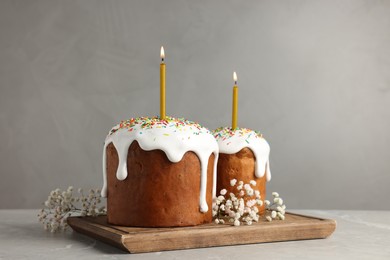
[(314, 77)]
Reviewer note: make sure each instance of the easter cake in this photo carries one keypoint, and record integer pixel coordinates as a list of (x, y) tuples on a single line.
[(159, 173), (243, 156)]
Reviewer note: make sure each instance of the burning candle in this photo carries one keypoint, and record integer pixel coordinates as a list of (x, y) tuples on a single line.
[(162, 84), (235, 102)]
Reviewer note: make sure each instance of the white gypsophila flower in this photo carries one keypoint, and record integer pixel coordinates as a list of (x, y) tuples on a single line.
[(280, 209), (254, 212), (59, 207), (221, 221), (236, 222), (251, 203), (242, 206), (216, 221), (233, 182), (284, 207)]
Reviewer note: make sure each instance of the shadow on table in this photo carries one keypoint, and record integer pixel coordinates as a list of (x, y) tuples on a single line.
[(98, 245), (36, 231)]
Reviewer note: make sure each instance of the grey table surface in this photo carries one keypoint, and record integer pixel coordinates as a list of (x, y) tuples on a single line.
[(359, 235)]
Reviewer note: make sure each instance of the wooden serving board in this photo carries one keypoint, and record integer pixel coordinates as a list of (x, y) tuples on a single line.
[(141, 240)]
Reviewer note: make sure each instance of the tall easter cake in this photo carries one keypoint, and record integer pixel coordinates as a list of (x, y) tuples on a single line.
[(244, 156), (159, 173)]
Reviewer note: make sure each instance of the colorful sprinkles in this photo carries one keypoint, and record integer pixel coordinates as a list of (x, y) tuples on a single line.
[(225, 133), (155, 122)]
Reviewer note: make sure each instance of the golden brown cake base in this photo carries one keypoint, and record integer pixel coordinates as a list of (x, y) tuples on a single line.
[(156, 192), (239, 166)]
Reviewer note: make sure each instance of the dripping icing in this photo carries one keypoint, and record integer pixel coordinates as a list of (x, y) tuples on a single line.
[(173, 136), (232, 141)]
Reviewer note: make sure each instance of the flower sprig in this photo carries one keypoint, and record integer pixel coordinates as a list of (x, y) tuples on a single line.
[(62, 204), (241, 208), (276, 209)]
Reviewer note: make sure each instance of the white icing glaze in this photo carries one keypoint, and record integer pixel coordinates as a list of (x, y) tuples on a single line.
[(231, 142), (175, 140)]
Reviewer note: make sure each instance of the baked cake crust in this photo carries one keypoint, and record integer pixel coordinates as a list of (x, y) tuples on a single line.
[(239, 166), (156, 192)]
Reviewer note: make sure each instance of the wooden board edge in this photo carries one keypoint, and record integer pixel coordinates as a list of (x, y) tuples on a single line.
[(206, 238), (199, 238), (97, 231), (332, 223)]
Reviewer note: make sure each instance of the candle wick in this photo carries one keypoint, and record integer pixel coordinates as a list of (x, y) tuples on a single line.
[(235, 82), (162, 60)]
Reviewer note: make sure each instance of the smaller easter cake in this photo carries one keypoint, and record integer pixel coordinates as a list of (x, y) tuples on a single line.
[(159, 173), (244, 156)]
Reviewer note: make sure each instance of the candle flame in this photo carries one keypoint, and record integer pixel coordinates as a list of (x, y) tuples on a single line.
[(162, 53), (235, 77)]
